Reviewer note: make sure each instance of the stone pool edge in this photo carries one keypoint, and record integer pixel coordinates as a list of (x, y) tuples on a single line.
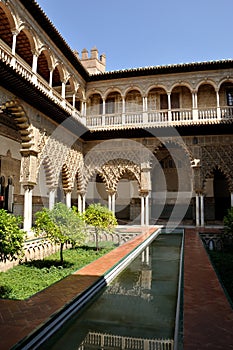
[(57, 319)]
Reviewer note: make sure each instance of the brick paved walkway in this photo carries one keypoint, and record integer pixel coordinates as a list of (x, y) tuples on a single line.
[(208, 317)]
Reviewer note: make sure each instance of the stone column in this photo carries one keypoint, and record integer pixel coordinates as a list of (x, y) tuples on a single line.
[(80, 206), (68, 198), (51, 197), (34, 67), (144, 108), (218, 105), (73, 100), (197, 210), (114, 203), (194, 106), (14, 36), (202, 210), (147, 210), (27, 223), (104, 112), (50, 77), (231, 199), (142, 210), (169, 107), (123, 111), (109, 201), (84, 202)]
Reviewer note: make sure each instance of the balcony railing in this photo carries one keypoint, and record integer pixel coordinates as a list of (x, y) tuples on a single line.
[(141, 118), (24, 70), (160, 118)]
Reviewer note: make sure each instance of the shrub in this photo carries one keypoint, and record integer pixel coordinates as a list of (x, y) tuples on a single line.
[(228, 229), (11, 236)]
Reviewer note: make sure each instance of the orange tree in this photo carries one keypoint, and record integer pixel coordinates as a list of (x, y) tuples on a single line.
[(60, 225), (101, 218)]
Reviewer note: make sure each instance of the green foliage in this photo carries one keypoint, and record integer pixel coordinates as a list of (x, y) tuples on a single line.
[(22, 281), (101, 218), (223, 264), (228, 229), (228, 222), (60, 224), (11, 236), (5, 291)]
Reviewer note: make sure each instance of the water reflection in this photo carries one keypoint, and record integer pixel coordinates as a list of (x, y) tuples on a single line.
[(136, 310)]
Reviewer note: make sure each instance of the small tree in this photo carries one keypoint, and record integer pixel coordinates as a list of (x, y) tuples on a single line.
[(60, 224), (11, 236), (101, 218)]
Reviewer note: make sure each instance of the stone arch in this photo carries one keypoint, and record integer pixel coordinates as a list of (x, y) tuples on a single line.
[(25, 44), (181, 83), (156, 87), (132, 88), (220, 185), (206, 82), (58, 75), (65, 174), (92, 92), (133, 100), (112, 90), (178, 141), (16, 110), (217, 157), (113, 103), (44, 64), (94, 104), (49, 171), (113, 171), (79, 180), (225, 80), (7, 24)]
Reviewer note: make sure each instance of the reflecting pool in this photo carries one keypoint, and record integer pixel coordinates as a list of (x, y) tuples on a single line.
[(136, 310)]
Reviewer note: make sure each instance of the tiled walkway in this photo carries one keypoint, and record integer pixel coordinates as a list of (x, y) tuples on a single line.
[(208, 317)]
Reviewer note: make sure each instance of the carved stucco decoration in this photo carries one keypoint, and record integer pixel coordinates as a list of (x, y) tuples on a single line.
[(113, 171), (58, 158), (112, 159), (217, 157)]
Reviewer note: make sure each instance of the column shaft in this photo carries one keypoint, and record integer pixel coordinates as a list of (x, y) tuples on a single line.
[(197, 210), (142, 211)]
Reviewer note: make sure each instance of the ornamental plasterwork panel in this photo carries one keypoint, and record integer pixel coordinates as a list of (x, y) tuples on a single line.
[(74, 163), (217, 157), (113, 171), (55, 154)]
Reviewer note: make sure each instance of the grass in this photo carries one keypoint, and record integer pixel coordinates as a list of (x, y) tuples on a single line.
[(223, 264), (24, 280)]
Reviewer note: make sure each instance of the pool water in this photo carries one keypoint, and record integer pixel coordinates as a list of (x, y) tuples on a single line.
[(139, 304)]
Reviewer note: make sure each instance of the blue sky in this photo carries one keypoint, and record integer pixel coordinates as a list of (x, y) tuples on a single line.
[(134, 33)]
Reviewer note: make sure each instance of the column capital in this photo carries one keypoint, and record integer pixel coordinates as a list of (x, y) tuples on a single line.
[(28, 187)]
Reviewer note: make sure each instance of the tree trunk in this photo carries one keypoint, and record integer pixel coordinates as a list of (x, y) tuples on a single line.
[(97, 238), (61, 252)]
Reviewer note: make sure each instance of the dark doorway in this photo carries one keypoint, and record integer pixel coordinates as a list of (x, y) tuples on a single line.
[(221, 195)]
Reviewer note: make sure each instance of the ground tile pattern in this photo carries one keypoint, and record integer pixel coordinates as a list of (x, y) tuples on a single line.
[(208, 316)]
